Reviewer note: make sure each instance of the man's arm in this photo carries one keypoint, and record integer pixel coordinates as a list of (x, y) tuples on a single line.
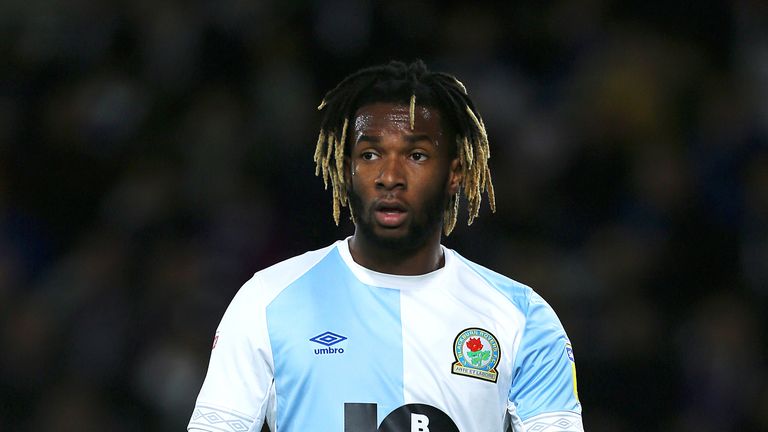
[(239, 385), (543, 395)]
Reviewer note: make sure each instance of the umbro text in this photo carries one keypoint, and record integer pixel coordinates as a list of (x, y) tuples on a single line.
[(329, 350)]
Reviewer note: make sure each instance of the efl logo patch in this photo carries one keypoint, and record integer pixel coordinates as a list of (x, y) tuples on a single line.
[(569, 352), (477, 353)]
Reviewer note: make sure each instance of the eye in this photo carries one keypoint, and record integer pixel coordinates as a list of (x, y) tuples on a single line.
[(368, 155), (419, 156)]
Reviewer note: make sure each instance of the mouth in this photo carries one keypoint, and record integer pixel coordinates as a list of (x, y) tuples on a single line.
[(390, 214)]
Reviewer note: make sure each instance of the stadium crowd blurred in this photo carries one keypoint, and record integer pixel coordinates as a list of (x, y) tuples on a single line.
[(153, 155)]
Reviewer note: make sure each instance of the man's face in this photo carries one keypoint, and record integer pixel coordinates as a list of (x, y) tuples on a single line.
[(399, 180)]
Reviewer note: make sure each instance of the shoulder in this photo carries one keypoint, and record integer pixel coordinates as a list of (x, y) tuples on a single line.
[(267, 283), (285, 272), (517, 293), (524, 298)]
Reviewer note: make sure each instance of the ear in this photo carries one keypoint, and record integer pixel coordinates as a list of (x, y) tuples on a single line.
[(455, 177)]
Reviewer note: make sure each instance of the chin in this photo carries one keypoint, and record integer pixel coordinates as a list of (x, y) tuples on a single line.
[(401, 238)]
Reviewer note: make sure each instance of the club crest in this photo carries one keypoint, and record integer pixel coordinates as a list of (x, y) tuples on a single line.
[(477, 353)]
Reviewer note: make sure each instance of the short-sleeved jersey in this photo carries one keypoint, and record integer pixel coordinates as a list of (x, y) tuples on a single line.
[(320, 343)]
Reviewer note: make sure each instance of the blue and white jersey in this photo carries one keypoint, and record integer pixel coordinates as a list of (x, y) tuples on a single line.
[(320, 343)]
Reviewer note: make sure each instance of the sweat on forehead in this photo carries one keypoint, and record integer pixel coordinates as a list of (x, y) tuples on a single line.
[(393, 115)]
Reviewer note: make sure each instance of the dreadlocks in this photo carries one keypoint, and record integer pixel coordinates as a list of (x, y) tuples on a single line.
[(398, 82)]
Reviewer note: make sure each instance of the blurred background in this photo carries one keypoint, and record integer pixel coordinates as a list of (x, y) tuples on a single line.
[(154, 155)]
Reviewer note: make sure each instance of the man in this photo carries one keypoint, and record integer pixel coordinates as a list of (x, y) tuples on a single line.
[(388, 330)]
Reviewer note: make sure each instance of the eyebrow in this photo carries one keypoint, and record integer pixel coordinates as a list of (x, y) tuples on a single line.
[(369, 138)]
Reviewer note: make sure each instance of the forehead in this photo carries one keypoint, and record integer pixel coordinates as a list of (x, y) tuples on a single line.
[(393, 117)]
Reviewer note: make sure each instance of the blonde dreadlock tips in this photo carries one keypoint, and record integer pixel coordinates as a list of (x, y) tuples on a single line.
[(461, 85), (413, 111), (319, 152), (489, 190), (340, 150)]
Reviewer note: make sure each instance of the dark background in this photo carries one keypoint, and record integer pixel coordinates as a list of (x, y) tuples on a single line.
[(154, 155)]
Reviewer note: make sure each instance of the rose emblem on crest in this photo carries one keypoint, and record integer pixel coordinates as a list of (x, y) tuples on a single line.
[(477, 357)]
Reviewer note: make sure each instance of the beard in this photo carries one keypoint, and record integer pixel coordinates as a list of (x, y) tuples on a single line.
[(421, 226)]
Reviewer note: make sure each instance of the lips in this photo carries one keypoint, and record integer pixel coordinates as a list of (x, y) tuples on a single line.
[(390, 213)]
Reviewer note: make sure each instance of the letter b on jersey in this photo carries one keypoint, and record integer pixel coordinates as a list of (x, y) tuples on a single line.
[(419, 423), (361, 417)]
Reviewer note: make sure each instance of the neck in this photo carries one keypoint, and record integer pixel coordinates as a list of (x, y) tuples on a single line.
[(395, 260)]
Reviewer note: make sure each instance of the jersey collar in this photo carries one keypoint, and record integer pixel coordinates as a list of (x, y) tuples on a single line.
[(385, 280)]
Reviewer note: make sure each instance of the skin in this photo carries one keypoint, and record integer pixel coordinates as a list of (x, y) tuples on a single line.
[(399, 182)]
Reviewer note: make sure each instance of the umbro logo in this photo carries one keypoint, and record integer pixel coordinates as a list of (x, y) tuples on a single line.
[(328, 339)]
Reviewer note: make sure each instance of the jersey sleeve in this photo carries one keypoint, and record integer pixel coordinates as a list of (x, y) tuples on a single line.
[(238, 386), (543, 395)]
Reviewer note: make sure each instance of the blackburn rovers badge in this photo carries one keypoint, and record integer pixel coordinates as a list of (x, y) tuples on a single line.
[(477, 353)]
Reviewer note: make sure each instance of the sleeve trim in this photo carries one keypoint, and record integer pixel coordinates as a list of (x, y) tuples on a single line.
[(557, 421), (210, 418)]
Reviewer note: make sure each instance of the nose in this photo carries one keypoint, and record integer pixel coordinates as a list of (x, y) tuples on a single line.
[(391, 174)]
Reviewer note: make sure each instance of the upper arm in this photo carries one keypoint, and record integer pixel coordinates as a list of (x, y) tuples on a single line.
[(239, 380), (543, 387)]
